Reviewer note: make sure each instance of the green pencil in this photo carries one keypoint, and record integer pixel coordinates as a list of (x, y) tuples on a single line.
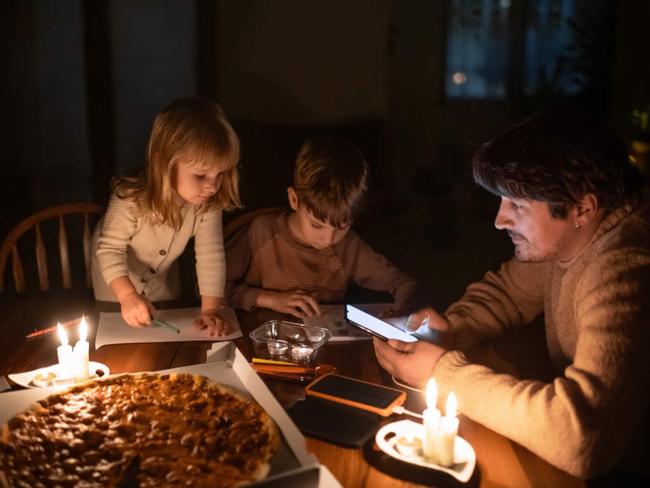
[(166, 324)]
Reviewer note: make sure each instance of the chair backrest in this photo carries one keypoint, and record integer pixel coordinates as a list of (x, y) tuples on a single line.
[(9, 246), (239, 222)]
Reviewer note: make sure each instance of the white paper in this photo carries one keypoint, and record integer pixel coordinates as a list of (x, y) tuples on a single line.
[(333, 319), (112, 329)]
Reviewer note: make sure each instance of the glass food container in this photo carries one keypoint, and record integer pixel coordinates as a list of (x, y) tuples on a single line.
[(288, 341)]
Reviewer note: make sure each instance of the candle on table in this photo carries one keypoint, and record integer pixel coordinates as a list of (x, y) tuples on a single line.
[(64, 354), (448, 431), (80, 353), (431, 416), (278, 347)]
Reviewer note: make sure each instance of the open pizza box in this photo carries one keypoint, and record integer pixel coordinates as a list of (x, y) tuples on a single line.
[(292, 466)]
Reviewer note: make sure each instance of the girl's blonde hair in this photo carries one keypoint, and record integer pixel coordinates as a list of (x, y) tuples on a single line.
[(189, 129)]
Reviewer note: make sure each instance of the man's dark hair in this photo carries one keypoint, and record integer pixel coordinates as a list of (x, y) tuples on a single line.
[(557, 157)]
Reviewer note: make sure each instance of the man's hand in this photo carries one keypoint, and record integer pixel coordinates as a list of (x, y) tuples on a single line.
[(435, 321), (137, 311), (297, 302), (412, 362), (215, 324)]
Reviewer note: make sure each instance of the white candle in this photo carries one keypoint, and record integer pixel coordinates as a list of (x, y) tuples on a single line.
[(431, 416), (278, 347), (80, 353), (448, 431), (64, 354)]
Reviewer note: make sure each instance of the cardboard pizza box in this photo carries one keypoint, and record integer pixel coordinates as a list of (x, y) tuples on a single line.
[(292, 465)]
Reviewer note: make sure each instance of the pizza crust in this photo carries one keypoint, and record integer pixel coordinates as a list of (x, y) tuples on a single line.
[(162, 430)]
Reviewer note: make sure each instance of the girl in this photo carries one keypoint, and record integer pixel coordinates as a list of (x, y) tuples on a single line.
[(189, 177)]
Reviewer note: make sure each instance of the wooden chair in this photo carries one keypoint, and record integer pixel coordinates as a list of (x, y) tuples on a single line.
[(10, 246), (241, 221)]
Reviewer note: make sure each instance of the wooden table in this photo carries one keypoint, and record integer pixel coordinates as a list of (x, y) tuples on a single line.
[(501, 462)]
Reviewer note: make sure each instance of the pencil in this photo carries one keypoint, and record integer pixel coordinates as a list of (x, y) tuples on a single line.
[(42, 332), (166, 324)]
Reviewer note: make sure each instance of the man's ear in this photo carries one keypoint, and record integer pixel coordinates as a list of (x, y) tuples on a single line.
[(587, 209), (293, 198)]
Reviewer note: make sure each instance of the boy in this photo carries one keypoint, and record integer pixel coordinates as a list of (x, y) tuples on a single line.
[(290, 261)]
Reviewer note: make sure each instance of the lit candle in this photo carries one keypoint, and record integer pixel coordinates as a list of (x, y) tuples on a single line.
[(448, 431), (64, 354), (431, 416), (80, 353)]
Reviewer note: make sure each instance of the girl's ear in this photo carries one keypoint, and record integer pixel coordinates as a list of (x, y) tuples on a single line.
[(293, 198)]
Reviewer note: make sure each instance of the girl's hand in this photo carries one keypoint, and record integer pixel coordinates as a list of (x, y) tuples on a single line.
[(137, 311), (297, 302), (213, 322)]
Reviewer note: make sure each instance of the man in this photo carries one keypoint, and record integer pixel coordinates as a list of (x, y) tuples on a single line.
[(572, 203)]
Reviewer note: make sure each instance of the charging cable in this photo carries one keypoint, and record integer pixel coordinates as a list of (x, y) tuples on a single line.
[(400, 410)]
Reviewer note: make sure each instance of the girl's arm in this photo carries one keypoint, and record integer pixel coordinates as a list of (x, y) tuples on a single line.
[(210, 317)]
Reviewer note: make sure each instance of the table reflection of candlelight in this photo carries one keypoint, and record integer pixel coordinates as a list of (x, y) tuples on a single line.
[(301, 353), (278, 347), (448, 431), (431, 416), (80, 353), (64, 354)]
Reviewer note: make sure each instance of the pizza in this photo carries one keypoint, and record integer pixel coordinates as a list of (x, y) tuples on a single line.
[(139, 430)]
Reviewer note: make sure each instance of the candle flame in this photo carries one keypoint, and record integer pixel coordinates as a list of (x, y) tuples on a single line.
[(83, 329), (452, 405), (63, 337), (432, 393)]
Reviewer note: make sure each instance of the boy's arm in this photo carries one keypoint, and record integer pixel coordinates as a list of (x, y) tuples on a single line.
[(238, 260), (373, 271)]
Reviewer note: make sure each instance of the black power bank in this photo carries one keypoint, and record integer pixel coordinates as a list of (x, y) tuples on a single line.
[(334, 422)]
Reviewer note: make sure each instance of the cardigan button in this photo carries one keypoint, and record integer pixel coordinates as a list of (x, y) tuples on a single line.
[(162, 252), (152, 271)]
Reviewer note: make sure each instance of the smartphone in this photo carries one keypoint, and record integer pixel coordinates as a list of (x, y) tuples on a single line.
[(375, 326), (356, 393)]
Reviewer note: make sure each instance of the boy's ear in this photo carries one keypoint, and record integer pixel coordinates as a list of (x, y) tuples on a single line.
[(293, 198)]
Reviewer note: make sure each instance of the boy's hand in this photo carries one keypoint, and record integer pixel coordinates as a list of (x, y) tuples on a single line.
[(137, 310), (297, 302), (215, 324)]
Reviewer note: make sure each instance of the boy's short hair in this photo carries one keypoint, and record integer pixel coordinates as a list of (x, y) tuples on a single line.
[(558, 156), (331, 179)]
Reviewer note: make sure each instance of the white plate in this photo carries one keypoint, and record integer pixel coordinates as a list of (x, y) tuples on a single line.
[(29, 379), (464, 454)]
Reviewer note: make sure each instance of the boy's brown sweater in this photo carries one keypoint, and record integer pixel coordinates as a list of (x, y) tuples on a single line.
[(594, 415), (266, 255)]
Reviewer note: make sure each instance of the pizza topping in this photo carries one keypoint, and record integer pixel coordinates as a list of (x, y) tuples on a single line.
[(159, 429)]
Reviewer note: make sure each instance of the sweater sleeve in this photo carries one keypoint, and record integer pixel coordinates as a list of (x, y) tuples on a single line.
[(513, 296), (582, 421), (210, 257), (118, 226), (238, 261), (373, 271)]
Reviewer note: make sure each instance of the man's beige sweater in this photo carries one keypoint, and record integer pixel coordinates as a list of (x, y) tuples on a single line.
[(594, 415)]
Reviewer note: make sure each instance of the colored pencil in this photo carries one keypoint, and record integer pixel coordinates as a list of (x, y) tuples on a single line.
[(166, 324)]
